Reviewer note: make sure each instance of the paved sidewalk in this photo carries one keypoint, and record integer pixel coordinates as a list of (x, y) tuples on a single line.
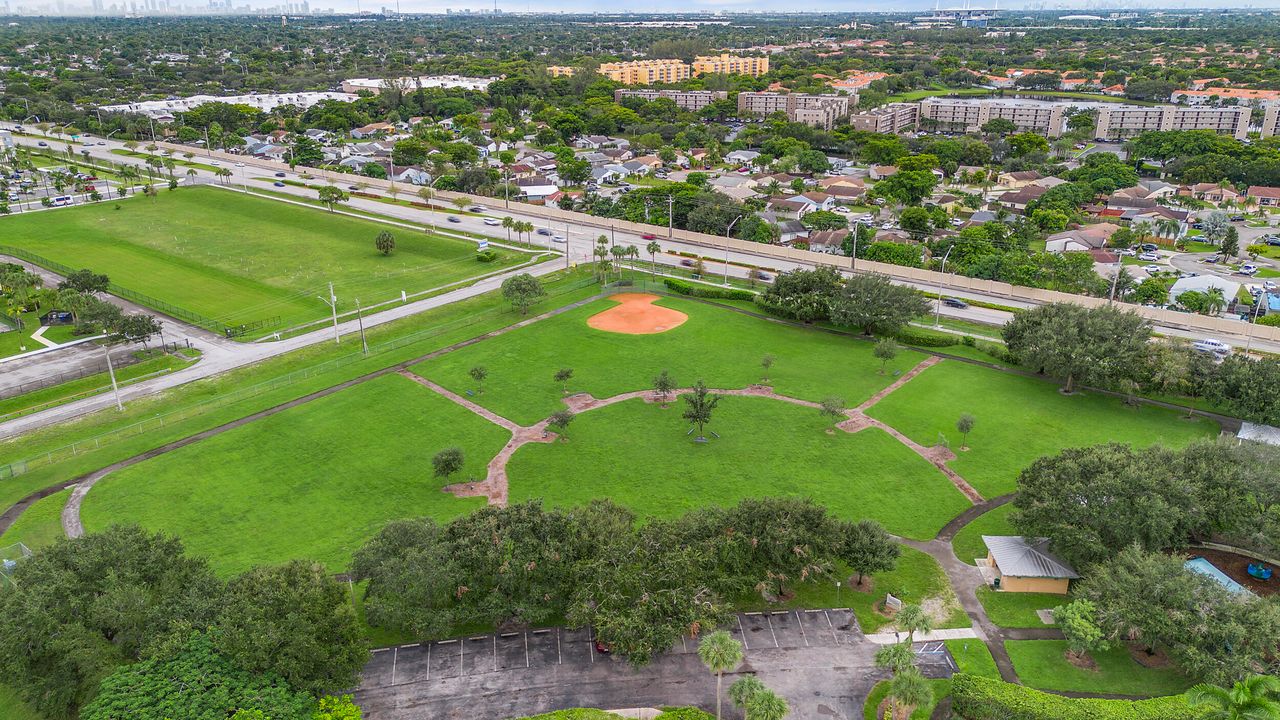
[(888, 638)]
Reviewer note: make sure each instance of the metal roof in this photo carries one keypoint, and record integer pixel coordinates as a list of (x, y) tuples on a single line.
[(1026, 557)]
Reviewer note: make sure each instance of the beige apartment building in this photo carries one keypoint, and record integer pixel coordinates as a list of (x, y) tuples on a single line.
[(561, 71), (1125, 121), (970, 115), (684, 99), (822, 111), (645, 72), (1271, 121), (891, 118), (726, 64)]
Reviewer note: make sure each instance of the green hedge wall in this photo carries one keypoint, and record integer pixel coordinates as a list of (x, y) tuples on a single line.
[(924, 337), (979, 698), (707, 291), (668, 713)]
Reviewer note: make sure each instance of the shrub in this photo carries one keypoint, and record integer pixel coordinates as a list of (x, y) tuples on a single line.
[(707, 291), (684, 713), (923, 337), (979, 698), (1271, 320), (485, 256)]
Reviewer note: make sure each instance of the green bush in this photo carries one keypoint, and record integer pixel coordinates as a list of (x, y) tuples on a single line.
[(684, 713), (485, 256), (707, 291), (979, 698), (924, 337), (575, 714), (1271, 320)]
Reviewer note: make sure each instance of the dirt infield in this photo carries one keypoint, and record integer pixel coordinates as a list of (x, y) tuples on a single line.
[(636, 314)]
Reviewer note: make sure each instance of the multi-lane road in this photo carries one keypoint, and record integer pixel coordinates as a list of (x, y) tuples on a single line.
[(575, 239)]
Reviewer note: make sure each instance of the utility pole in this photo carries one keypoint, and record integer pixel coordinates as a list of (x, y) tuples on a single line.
[(332, 302), (671, 205), (726, 248), (364, 344), (937, 315), (1115, 279), (1257, 306), (115, 388)]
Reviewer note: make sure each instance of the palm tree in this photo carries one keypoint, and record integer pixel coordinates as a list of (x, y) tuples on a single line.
[(654, 248), (720, 653), (72, 301), (224, 173), (508, 223), (618, 252), (896, 657), (908, 689), (913, 619), (1257, 697), (191, 176), (1216, 301)]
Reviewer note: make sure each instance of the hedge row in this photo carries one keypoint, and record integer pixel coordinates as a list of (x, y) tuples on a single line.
[(923, 337), (668, 713), (707, 291), (979, 698)]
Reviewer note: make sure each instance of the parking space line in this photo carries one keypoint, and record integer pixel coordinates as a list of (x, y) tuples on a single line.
[(462, 657), (495, 652), (803, 634), (772, 634), (394, 656), (743, 633), (683, 645), (526, 651), (591, 645), (559, 655), (410, 645), (834, 635)]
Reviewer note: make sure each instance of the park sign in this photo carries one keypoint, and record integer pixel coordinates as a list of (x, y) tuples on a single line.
[(482, 245)]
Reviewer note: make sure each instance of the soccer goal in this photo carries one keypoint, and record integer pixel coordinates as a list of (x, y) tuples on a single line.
[(10, 557)]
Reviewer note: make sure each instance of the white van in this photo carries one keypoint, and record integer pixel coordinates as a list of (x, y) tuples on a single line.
[(61, 200), (1209, 345)]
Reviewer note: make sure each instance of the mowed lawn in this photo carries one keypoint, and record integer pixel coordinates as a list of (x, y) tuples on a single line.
[(639, 455), (313, 482), (968, 545), (239, 259), (719, 346), (1019, 419), (40, 524), (1042, 664)]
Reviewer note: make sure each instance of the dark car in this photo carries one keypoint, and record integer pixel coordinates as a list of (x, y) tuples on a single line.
[(278, 183), (279, 174), (954, 303), (1149, 247), (1272, 240), (353, 187), (544, 231), (454, 219), (686, 262)]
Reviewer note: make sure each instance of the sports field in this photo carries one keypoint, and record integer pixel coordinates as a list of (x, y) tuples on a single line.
[(719, 346), (313, 482), (1019, 419), (239, 259)]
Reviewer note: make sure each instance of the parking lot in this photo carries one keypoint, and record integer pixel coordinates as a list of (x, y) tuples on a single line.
[(818, 659)]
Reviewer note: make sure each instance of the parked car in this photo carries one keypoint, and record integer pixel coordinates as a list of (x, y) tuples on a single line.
[(1248, 269), (1149, 257), (1209, 345), (1271, 240), (455, 219), (1151, 268), (1212, 259), (954, 303), (1149, 247)]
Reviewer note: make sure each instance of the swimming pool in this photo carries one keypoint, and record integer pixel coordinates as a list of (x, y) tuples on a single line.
[(1204, 567)]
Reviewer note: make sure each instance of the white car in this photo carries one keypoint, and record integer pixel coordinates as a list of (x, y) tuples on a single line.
[(1149, 256), (214, 162), (842, 209), (1269, 285), (557, 238), (1209, 345), (1152, 268), (239, 164), (492, 221), (1248, 269)]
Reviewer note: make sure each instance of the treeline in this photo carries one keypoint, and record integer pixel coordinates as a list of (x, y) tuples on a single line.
[(640, 586), (124, 623), (1201, 156)]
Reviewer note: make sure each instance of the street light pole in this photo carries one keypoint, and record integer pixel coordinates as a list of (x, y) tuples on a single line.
[(364, 344), (671, 212), (332, 302), (727, 231), (115, 388), (1257, 307), (937, 314)]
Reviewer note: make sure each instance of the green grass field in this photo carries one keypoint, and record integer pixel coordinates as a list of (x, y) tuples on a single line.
[(1018, 610), (639, 455), (13, 342), (315, 481), (968, 545), (239, 259), (1019, 419), (720, 346), (148, 366), (40, 524), (1041, 664)]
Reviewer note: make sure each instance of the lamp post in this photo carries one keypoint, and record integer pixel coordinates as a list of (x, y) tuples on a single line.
[(1257, 307), (726, 248), (937, 314)]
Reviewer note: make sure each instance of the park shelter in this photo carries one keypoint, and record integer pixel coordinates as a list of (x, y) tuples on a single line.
[(1026, 565)]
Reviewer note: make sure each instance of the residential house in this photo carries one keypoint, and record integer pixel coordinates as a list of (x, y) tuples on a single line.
[(371, 130), (828, 241), (847, 194), (1204, 283), (610, 173), (880, 172), (815, 200), (788, 207), (1211, 193), (635, 167), (413, 176), (536, 188), (1021, 564), (741, 157), (1018, 179), (1082, 239), (617, 154), (1017, 200), (1049, 183), (725, 181), (1264, 196), (741, 194)]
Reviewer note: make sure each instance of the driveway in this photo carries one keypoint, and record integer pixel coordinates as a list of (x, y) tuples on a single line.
[(817, 659)]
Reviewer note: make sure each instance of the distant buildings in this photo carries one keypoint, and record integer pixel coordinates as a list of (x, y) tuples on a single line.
[(1212, 94), (822, 111), (970, 115), (726, 64), (1271, 121), (561, 71), (645, 72), (166, 109), (1124, 121), (891, 118), (685, 99), (409, 83)]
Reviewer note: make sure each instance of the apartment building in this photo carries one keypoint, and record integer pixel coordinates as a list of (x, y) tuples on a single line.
[(684, 99), (822, 111), (561, 71), (1271, 121), (1044, 118), (1125, 121), (645, 72), (891, 118), (410, 83), (1217, 95), (726, 64)]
